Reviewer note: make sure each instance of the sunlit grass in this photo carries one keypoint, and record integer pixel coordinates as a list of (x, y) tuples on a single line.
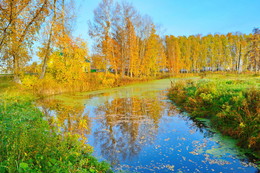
[(231, 102)]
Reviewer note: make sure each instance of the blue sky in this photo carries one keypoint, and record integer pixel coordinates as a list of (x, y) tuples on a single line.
[(183, 17), (186, 17)]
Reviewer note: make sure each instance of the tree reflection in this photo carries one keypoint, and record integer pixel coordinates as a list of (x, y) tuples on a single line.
[(68, 118), (127, 125)]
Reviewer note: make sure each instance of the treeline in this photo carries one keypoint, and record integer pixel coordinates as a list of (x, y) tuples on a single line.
[(230, 52), (127, 44)]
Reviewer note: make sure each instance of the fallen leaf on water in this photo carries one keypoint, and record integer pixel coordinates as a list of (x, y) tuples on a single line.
[(194, 153)]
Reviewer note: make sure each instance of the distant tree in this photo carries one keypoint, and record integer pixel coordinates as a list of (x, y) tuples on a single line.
[(132, 50), (125, 34), (194, 56), (254, 50), (101, 29), (152, 54), (185, 49)]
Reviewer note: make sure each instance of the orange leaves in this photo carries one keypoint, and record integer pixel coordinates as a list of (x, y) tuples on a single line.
[(173, 54), (154, 58)]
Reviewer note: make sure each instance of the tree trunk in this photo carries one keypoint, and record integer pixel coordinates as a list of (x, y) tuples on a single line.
[(16, 70), (46, 57), (239, 60), (131, 73), (123, 70), (44, 67)]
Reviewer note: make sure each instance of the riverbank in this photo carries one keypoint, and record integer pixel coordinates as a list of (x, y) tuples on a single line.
[(29, 144), (231, 103), (97, 81)]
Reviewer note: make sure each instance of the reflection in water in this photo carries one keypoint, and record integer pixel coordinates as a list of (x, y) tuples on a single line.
[(128, 124), (68, 118), (197, 125), (138, 129)]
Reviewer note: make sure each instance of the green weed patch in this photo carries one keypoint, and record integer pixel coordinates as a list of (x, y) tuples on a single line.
[(232, 105)]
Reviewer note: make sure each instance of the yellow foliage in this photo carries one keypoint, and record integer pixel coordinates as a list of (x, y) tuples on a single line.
[(242, 125), (29, 81), (68, 64), (108, 82)]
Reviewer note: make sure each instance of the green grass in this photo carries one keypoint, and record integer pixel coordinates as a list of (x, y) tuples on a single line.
[(29, 144), (232, 103)]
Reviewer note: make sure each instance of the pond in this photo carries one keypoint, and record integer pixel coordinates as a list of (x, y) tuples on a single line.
[(138, 129)]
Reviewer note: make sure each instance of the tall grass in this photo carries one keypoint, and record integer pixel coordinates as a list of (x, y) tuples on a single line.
[(232, 105)]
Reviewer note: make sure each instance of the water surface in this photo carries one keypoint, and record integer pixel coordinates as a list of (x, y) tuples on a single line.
[(138, 129)]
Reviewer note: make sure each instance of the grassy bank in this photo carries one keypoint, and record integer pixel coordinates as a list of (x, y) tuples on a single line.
[(96, 81), (29, 144), (232, 103)]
